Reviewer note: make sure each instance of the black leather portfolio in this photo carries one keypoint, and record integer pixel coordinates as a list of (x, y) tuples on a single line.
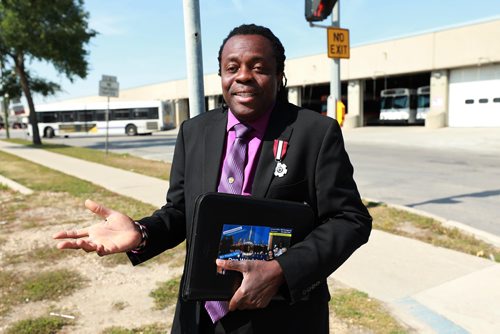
[(237, 228)]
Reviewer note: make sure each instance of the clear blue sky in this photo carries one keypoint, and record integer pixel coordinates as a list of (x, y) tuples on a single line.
[(142, 42)]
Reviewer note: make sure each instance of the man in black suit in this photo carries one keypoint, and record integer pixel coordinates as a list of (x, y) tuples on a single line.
[(318, 172)]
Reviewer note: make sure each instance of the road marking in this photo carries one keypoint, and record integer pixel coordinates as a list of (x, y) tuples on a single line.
[(434, 320)]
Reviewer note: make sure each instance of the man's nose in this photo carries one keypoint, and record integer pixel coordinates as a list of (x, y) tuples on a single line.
[(244, 74)]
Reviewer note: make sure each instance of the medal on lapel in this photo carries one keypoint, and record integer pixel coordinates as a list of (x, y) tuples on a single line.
[(279, 150)]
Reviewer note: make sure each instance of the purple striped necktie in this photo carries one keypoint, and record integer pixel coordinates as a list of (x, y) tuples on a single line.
[(231, 182)]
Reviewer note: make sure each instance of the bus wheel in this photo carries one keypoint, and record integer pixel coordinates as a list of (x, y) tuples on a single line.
[(131, 130), (49, 132)]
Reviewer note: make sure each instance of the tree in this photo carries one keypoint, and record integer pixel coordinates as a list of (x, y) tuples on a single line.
[(10, 88), (53, 31)]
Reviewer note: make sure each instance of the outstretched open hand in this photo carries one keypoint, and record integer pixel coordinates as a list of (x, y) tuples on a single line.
[(117, 233)]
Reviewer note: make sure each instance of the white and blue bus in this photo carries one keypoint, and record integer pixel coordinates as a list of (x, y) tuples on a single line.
[(131, 118), (423, 103), (398, 105)]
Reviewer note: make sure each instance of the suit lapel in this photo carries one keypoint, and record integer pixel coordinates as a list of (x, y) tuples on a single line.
[(278, 128), (215, 134)]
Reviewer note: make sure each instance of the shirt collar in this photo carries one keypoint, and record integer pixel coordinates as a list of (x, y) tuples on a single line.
[(259, 125)]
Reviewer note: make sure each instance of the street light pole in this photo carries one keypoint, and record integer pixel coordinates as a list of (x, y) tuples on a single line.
[(335, 74), (194, 61)]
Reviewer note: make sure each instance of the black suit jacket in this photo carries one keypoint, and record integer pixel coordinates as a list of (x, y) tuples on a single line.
[(319, 173)]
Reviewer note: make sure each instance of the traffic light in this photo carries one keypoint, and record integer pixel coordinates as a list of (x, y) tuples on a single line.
[(318, 10)]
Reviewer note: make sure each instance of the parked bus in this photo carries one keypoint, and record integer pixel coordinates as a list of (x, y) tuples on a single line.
[(423, 103), (398, 105), (131, 118)]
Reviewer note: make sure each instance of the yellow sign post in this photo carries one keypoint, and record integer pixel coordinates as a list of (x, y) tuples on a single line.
[(338, 43)]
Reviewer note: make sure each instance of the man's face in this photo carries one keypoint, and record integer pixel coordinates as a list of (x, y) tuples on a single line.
[(248, 75)]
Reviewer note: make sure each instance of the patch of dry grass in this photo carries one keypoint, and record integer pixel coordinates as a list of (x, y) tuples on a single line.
[(39, 256), (366, 314), (428, 230), (149, 329), (166, 293), (41, 325)]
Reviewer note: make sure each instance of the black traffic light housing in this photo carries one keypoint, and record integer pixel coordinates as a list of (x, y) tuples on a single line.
[(318, 10)]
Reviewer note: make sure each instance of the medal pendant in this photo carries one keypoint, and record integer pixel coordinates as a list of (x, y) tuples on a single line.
[(280, 169)]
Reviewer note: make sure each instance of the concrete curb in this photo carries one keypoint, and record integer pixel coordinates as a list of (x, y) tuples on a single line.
[(15, 186), (481, 235)]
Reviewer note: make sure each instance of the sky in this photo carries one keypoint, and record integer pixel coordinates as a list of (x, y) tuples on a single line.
[(142, 42)]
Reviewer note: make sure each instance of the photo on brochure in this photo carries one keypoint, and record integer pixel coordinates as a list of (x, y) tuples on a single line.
[(249, 242)]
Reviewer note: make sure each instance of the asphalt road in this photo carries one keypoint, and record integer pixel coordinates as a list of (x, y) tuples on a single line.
[(458, 185)]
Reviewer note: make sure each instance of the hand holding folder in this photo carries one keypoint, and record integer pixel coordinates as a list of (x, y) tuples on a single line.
[(238, 228)]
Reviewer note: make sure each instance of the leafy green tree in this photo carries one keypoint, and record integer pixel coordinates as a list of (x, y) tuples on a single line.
[(54, 31)]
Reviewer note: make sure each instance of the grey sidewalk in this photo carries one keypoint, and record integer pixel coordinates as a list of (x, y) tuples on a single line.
[(434, 290)]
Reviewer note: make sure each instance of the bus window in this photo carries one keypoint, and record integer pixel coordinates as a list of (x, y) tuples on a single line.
[(120, 114), (85, 116), (100, 115), (153, 113), (67, 116), (48, 117), (400, 102), (386, 102), (423, 101), (144, 113)]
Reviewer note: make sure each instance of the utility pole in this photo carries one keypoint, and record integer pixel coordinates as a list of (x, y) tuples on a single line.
[(194, 61), (338, 47), (331, 110)]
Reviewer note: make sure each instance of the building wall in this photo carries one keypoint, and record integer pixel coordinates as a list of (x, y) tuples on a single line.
[(472, 46)]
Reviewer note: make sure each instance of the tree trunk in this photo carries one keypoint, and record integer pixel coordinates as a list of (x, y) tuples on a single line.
[(19, 61), (5, 108)]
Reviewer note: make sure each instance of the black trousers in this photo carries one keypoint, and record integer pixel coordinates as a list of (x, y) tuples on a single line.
[(278, 317)]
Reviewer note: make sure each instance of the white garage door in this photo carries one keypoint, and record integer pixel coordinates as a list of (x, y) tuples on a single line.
[(474, 97)]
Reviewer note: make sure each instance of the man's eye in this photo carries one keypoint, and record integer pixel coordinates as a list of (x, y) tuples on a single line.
[(232, 69)]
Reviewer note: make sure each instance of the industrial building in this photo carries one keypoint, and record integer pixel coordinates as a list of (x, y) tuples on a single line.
[(460, 64)]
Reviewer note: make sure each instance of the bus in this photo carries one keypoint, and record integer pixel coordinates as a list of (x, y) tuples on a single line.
[(398, 105), (423, 102), (131, 118)]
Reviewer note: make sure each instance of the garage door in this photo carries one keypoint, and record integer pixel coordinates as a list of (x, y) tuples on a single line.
[(474, 97)]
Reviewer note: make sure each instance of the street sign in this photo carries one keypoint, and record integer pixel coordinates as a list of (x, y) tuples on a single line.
[(109, 78), (338, 43), (109, 86)]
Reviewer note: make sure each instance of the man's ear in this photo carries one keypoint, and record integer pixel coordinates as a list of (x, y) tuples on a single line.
[(282, 81)]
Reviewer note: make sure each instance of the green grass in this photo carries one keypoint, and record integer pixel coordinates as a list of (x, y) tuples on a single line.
[(158, 169), (42, 325), (39, 256), (166, 293), (9, 289), (357, 308), (16, 288), (51, 285), (429, 230), (40, 178), (149, 329)]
